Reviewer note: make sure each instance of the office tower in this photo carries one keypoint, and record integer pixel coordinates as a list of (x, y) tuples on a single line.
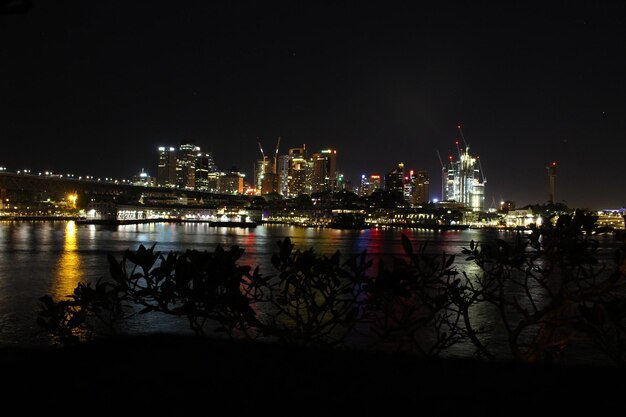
[(420, 184), (324, 171), (262, 168), (375, 183), (282, 174), (186, 166), (364, 188), (416, 186), (204, 166), (230, 182), (166, 168), (297, 181), (394, 181)]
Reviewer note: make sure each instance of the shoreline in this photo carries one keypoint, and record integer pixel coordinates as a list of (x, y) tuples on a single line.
[(619, 234)]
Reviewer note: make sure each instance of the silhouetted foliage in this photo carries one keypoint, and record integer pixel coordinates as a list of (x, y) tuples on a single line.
[(89, 310), (200, 286), (547, 290), (315, 300), (411, 305)]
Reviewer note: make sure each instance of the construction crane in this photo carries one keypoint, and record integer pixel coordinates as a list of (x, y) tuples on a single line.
[(443, 176), (276, 155), (482, 172), (260, 147), (440, 160), (458, 149), (462, 135)]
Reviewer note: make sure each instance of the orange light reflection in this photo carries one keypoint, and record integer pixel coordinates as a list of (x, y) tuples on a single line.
[(69, 272)]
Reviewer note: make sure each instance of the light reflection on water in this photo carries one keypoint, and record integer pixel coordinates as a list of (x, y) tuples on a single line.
[(38, 258), (68, 269)]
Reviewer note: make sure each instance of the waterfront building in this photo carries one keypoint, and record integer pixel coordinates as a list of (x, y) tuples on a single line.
[(615, 219)]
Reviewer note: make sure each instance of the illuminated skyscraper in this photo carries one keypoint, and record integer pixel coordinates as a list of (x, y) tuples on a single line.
[(282, 173), (186, 166), (364, 188), (204, 166), (464, 181), (266, 172), (231, 182), (166, 169), (419, 186), (262, 168), (297, 181), (375, 183), (324, 171)]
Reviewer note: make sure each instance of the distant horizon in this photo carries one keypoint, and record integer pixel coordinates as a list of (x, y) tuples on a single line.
[(432, 198)]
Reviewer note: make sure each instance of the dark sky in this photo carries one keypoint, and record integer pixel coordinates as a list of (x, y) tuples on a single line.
[(94, 87)]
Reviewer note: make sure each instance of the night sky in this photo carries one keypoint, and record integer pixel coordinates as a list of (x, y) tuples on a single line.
[(93, 88)]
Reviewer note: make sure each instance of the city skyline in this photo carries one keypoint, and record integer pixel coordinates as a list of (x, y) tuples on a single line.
[(98, 87)]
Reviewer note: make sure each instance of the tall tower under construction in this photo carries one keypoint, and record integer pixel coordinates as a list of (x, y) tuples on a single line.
[(463, 179)]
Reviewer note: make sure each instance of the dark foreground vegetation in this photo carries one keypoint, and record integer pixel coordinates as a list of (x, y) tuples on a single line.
[(322, 333)]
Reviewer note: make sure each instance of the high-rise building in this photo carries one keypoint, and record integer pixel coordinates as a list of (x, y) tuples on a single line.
[(204, 166), (324, 171), (464, 181), (262, 168), (394, 181), (297, 181), (375, 183), (186, 166), (231, 182), (369, 184), (364, 188), (282, 174), (420, 184), (342, 183), (269, 184), (212, 181), (166, 168)]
